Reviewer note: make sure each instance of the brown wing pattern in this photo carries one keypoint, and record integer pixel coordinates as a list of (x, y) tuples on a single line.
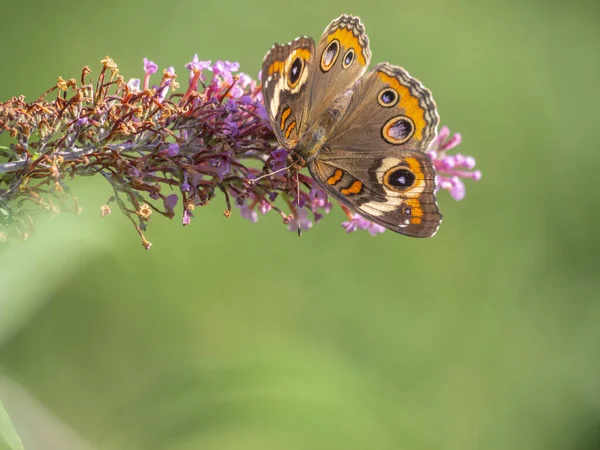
[(395, 189), (285, 74), (389, 109)]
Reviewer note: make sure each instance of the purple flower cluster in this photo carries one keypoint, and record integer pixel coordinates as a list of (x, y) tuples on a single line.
[(452, 169), (358, 222), (232, 95), (160, 148)]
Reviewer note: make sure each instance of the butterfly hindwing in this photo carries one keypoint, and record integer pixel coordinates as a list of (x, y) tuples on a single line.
[(395, 189)]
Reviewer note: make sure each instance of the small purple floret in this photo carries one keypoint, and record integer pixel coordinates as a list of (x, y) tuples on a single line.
[(301, 221), (187, 218), (173, 150), (248, 213), (452, 169), (170, 201), (360, 223), (150, 67), (280, 160), (134, 85), (198, 66)]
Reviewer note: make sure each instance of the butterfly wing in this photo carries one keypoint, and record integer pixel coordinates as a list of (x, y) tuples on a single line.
[(341, 58), (375, 161), (299, 83), (392, 188), (389, 109), (285, 72)]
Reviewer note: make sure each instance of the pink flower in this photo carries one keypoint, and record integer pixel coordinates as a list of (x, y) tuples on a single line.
[(300, 221), (196, 65), (360, 223), (249, 213), (452, 169), (224, 69), (150, 67), (187, 217)]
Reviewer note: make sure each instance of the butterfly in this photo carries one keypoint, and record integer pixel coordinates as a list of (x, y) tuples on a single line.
[(363, 136)]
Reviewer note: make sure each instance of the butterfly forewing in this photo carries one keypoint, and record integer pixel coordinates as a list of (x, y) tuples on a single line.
[(285, 72), (341, 58)]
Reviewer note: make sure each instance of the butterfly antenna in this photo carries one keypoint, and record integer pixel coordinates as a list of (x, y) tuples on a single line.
[(270, 174), (298, 203)]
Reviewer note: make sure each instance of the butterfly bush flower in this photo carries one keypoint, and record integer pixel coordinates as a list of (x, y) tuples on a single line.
[(452, 169), (166, 151), (150, 68), (358, 222)]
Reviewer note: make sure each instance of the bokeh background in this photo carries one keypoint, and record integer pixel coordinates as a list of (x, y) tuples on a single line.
[(232, 335)]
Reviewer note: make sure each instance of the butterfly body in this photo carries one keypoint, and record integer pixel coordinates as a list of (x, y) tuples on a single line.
[(363, 136), (315, 137)]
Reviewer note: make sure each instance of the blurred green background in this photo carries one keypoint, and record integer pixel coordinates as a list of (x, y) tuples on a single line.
[(232, 335)]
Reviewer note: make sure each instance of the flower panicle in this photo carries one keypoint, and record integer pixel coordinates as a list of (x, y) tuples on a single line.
[(162, 150)]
